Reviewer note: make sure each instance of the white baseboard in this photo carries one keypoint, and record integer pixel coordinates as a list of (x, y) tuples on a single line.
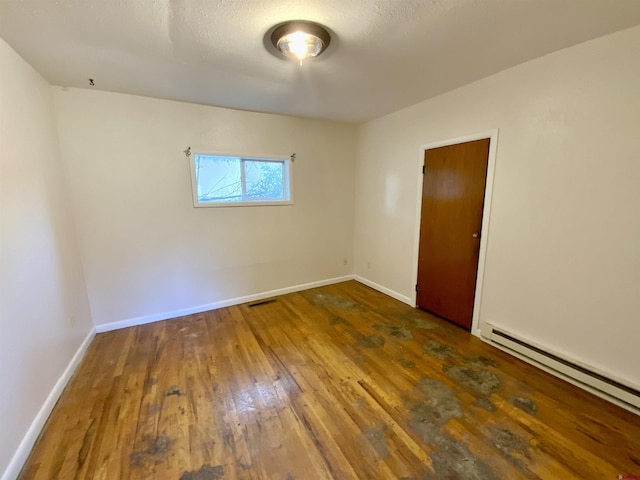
[(28, 441), (132, 322), (385, 290)]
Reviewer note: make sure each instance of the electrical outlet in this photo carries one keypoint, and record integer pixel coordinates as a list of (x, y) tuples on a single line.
[(345, 262), (368, 264)]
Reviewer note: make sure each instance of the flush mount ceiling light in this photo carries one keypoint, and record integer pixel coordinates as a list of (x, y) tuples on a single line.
[(300, 39)]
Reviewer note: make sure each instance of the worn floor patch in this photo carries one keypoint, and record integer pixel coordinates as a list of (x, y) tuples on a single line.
[(438, 407), (424, 422), (396, 331), (333, 300), (453, 460), (378, 440), (154, 447), (336, 320), (418, 320), (153, 408), (442, 400), (484, 402), (439, 350), (149, 382), (207, 472), (481, 381), (369, 341), (513, 447), (525, 404), (173, 390), (480, 361), (407, 363)]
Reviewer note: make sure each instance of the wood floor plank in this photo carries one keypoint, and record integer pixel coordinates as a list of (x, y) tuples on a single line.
[(337, 382)]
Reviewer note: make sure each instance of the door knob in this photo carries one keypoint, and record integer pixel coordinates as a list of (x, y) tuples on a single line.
[(475, 235)]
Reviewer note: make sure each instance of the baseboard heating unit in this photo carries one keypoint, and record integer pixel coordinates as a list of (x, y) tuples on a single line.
[(615, 390)]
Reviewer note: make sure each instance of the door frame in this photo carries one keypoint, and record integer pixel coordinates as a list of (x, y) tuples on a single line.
[(492, 135)]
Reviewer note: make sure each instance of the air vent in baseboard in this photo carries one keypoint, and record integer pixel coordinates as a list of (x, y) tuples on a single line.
[(583, 375)]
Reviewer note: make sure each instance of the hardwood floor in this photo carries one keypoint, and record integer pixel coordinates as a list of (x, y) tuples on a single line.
[(335, 382)]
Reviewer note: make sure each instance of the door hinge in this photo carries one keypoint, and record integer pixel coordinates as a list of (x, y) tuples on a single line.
[(416, 287), (424, 169)]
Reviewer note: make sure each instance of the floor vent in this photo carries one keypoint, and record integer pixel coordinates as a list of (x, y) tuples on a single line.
[(581, 374), (263, 302)]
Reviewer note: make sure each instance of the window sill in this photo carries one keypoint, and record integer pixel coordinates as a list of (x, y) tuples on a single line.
[(243, 204)]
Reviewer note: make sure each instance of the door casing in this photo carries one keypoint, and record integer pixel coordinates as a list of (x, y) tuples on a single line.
[(492, 135)]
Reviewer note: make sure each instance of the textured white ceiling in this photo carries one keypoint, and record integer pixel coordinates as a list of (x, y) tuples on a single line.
[(384, 55)]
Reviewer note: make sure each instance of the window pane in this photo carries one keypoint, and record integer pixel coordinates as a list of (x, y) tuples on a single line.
[(264, 180), (219, 179)]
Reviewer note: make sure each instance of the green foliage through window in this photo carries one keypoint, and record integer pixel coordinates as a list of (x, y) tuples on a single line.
[(228, 180)]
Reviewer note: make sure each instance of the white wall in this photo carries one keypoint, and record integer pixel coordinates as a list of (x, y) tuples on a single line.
[(563, 258), (41, 282), (147, 251)]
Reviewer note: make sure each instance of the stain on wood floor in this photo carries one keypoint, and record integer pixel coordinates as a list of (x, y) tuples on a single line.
[(336, 382)]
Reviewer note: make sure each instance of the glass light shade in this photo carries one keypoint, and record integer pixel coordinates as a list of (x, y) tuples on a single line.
[(300, 45), (300, 39)]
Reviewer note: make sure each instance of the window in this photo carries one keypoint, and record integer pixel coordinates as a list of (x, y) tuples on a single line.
[(224, 181)]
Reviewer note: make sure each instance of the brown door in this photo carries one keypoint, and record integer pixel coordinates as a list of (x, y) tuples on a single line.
[(452, 201)]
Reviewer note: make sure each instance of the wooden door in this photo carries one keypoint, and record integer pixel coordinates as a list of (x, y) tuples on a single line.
[(452, 201)]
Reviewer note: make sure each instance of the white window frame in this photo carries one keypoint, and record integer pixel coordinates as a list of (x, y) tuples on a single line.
[(287, 180)]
